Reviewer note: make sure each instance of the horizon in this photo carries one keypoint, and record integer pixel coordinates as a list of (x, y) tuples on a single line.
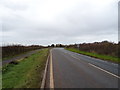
[(12, 44), (46, 22)]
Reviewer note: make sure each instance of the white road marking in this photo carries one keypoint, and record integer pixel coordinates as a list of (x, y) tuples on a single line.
[(75, 57), (104, 70), (92, 57), (99, 68), (51, 71)]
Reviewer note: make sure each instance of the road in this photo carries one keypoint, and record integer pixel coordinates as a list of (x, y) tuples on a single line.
[(72, 70), (20, 56)]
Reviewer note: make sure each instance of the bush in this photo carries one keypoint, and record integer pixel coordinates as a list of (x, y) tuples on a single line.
[(104, 48), (12, 50)]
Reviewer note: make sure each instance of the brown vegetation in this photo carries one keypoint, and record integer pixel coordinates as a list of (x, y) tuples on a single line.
[(104, 48), (12, 50)]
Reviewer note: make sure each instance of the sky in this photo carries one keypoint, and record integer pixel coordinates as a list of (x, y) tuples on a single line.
[(47, 22)]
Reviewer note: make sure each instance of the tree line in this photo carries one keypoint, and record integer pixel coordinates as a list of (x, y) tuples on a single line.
[(104, 47), (11, 50)]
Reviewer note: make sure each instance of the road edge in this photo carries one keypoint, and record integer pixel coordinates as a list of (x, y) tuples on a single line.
[(51, 71), (45, 73)]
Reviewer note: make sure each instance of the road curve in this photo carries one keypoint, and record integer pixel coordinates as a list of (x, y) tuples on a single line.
[(72, 70)]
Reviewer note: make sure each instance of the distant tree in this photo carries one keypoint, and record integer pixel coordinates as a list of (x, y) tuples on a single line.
[(52, 45), (48, 45), (57, 45), (61, 45)]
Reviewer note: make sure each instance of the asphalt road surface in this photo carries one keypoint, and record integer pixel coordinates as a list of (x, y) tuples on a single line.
[(72, 70)]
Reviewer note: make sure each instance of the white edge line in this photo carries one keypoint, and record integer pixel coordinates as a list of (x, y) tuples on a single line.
[(51, 71), (100, 69), (104, 70), (45, 74)]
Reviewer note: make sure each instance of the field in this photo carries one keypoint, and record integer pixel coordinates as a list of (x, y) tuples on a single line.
[(100, 56), (25, 73)]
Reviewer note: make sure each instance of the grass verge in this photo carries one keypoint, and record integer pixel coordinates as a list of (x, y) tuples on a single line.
[(26, 73), (104, 57)]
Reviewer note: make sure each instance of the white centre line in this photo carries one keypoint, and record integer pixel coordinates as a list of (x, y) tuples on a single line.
[(104, 70), (51, 72)]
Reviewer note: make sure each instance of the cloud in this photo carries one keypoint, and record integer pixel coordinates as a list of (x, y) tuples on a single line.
[(58, 21)]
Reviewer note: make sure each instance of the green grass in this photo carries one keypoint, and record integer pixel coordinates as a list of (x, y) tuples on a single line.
[(27, 73), (0, 80), (104, 57)]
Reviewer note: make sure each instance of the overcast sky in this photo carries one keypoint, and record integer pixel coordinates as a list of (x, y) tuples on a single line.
[(58, 21)]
